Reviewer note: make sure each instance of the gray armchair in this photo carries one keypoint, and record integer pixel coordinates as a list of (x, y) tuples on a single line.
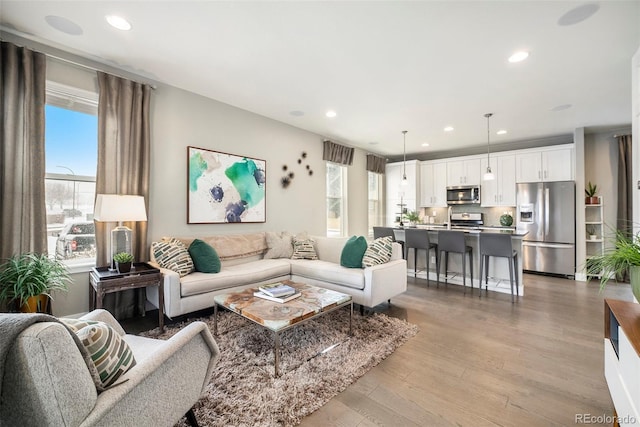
[(46, 381)]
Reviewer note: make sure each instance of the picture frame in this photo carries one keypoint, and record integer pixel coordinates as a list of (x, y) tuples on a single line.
[(225, 188)]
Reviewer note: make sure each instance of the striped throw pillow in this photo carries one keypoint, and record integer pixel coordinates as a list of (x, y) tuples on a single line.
[(110, 354), (378, 252), (173, 255), (303, 249), (76, 324)]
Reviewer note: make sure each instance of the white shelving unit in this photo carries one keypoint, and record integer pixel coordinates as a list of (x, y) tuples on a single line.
[(594, 225)]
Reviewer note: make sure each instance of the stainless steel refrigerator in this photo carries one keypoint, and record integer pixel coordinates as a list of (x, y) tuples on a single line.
[(547, 210)]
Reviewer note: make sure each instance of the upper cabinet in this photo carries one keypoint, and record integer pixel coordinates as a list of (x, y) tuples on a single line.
[(500, 191), (433, 184), (463, 172), (550, 164)]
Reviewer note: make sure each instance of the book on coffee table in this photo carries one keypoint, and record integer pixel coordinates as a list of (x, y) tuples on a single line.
[(281, 300), (277, 290)]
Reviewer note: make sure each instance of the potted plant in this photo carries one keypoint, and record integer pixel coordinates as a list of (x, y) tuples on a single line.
[(614, 262), (123, 262), (591, 231), (590, 192), (26, 281), (412, 216)]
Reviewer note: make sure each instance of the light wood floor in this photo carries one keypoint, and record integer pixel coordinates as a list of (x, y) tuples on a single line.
[(482, 361), (485, 361)]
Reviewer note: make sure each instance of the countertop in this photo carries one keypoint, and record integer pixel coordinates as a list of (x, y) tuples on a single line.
[(483, 229)]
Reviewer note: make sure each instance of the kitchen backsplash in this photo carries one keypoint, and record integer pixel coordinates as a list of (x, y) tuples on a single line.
[(491, 216)]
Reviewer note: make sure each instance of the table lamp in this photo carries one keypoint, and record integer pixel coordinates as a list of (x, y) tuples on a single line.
[(119, 208)]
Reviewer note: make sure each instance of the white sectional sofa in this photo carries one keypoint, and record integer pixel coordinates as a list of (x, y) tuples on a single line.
[(243, 265)]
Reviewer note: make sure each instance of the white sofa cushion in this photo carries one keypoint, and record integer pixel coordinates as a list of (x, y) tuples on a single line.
[(329, 272), (234, 275), (329, 248)]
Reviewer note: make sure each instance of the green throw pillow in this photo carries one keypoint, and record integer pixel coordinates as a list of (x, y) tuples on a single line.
[(205, 258), (353, 252)]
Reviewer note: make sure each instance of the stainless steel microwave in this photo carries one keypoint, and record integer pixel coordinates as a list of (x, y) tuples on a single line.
[(463, 195)]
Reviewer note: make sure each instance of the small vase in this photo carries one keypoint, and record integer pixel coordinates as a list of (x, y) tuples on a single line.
[(634, 278), (123, 267), (592, 200)]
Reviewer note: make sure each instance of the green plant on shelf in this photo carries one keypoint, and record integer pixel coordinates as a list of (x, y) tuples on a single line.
[(591, 230), (591, 190)]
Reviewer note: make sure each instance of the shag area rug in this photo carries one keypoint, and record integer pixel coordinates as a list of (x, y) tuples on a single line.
[(243, 390)]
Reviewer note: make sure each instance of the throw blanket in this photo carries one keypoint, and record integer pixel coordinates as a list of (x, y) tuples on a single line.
[(12, 324)]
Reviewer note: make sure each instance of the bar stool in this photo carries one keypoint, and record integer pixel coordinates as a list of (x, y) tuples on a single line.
[(453, 241), (498, 245), (388, 231), (419, 239)]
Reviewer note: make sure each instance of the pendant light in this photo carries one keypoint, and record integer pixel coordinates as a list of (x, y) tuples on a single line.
[(488, 175), (404, 165)]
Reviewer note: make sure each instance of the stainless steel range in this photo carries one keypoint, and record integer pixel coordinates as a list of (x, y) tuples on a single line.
[(466, 220)]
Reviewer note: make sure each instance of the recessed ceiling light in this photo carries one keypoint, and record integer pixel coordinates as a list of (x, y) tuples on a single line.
[(501, 132), (448, 129), (64, 25), (296, 113), (426, 144), (519, 56), (118, 22), (561, 107), (330, 114)]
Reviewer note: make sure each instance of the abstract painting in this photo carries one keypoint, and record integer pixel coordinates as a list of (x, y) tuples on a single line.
[(225, 188)]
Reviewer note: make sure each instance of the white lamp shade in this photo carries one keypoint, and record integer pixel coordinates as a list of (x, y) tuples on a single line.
[(118, 207), (488, 176)]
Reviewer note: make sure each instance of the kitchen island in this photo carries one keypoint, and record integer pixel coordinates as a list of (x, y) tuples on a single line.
[(498, 267)]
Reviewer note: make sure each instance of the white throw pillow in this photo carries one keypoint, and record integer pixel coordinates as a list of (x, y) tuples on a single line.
[(279, 245)]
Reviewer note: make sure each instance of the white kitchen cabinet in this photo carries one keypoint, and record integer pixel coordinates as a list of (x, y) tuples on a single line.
[(433, 184), (396, 193), (500, 191), (557, 165), (545, 165), (463, 172)]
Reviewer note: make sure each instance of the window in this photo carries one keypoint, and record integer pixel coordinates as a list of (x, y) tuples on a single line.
[(71, 156), (375, 201), (336, 200)]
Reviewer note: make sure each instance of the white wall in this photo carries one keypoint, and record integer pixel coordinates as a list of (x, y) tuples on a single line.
[(179, 119), (601, 168), (358, 196), (635, 139)]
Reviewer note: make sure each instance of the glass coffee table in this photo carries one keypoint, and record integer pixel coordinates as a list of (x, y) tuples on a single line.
[(278, 317)]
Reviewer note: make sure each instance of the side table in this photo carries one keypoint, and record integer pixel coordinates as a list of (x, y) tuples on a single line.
[(103, 281)]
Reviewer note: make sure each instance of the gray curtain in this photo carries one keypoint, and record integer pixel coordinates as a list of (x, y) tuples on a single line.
[(376, 163), (337, 153), (23, 217), (123, 168), (625, 184)]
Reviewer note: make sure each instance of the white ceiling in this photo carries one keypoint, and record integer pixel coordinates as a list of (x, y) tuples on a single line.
[(383, 66)]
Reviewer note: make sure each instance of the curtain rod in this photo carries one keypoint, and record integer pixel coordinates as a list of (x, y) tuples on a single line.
[(78, 60), (616, 135)]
